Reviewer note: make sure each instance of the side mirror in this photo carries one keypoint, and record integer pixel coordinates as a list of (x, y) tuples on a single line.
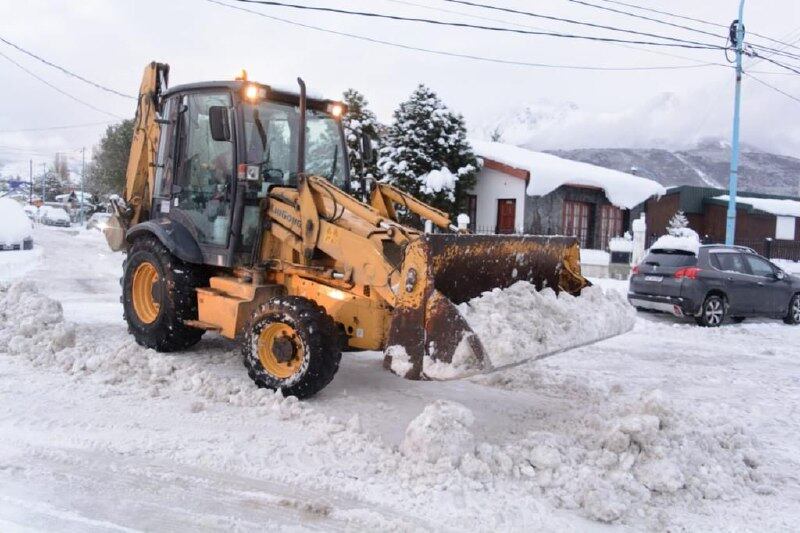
[(367, 150), (780, 274), (219, 122)]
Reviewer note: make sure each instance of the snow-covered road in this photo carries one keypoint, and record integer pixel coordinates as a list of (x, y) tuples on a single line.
[(667, 427)]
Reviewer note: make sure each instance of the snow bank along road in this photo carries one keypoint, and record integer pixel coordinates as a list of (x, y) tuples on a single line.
[(667, 427)]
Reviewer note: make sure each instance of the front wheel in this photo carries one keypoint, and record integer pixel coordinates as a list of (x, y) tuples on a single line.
[(793, 316), (712, 314), (158, 296), (292, 345)]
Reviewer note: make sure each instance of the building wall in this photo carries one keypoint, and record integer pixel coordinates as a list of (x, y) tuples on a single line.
[(660, 210), (544, 214), (493, 185), (749, 226)]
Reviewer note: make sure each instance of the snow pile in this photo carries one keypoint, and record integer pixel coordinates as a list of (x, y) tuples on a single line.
[(31, 323), (788, 208), (549, 172), (440, 432), (15, 226), (595, 257), (438, 181), (621, 244), (687, 242), (519, 323)]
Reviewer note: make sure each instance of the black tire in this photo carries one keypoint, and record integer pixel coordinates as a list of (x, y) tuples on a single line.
[(793, 314), (313, 353), (737, 319), (174, 293), (712, 313)]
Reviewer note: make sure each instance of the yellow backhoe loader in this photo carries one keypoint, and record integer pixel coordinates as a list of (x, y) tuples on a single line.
[(236, 219)]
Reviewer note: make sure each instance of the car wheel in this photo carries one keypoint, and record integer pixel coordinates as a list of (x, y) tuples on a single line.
[(712, 314), (793, 316)]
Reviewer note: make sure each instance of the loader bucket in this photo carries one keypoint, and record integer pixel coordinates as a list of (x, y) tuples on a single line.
[(115, 233), (443, 270)]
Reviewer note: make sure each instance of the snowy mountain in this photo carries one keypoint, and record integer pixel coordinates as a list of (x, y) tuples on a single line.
[(706, 165), (673, 140)]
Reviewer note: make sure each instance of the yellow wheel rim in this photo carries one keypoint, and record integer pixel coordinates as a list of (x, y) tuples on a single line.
[(280, 350), (144, 278)]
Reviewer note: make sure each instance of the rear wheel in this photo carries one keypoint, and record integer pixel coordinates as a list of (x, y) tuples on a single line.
[(158, 295), (793, 316), (712, 314), (293, 345)]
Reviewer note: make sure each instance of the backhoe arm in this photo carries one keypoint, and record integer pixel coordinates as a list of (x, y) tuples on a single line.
[(140, 174)]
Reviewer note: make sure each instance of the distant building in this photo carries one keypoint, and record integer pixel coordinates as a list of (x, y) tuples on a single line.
[(768, 223), (521, 191)]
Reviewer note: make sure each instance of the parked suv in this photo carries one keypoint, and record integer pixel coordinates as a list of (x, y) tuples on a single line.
[(715, 283)]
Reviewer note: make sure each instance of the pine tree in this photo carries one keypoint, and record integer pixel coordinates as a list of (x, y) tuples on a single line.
[(426, 152), (677, 224), (106, 173), (357, 122)]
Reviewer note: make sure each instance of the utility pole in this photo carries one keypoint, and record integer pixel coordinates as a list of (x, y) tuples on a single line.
[(30, 183), (83, 171), (44, 177), (737, 39)]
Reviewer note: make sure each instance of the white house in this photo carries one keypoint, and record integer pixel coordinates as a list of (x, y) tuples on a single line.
[(519, 190)]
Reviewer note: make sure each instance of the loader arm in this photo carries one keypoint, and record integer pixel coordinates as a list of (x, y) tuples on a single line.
[(384, 198)]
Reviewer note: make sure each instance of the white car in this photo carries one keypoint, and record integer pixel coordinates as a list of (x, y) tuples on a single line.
[(53, 216), (16, 228)]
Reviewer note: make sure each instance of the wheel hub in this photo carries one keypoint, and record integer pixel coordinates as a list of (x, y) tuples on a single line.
[(280, 350), (283, 348), (146, 292)]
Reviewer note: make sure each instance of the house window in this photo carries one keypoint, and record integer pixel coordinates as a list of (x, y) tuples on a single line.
[(575, 222), (610, 224)]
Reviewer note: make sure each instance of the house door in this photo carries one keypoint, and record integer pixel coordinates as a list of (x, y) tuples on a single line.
[(506, 214)]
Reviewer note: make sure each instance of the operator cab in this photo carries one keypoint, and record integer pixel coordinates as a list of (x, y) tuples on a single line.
[(224, 145)]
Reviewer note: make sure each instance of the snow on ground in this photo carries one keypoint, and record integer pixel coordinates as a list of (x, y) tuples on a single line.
[(669, 426)]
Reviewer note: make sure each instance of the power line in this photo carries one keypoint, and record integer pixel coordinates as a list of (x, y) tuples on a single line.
[(577, 22), (701, 21), (765, 84), (87, 104), (49, 128), (643, 17), (449, 54), (66, 71), (517, 24), (681, 44), (778, 63)]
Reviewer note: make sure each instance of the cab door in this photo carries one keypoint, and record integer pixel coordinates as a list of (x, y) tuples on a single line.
[(203, 183)]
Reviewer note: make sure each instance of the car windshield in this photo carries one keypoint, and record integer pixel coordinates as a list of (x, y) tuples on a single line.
[(670, 258), (271, 140)]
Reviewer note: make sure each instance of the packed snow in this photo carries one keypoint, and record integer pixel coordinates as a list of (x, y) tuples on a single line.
[(788, 208), (666, 427), (520, 323), (686, 243), (549, 172), (15, 226)]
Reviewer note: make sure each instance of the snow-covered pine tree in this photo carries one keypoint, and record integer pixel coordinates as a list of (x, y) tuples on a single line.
[(677, 223), (426, 153), (359, 121)]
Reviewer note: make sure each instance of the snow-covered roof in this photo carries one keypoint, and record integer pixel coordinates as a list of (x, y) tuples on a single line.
[(549, 172), (788, 208)]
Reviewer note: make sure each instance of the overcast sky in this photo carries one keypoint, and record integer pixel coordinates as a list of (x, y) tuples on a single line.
[(110, 42)]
